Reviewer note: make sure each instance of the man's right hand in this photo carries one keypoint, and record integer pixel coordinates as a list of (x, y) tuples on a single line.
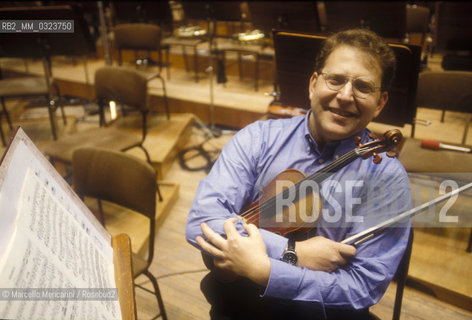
[(322, 254)]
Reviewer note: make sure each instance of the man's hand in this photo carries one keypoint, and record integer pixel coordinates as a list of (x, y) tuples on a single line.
[(245, 256), (319, 253)]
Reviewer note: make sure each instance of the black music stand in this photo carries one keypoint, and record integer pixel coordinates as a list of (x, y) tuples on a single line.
[(295, 62), (43, 46)]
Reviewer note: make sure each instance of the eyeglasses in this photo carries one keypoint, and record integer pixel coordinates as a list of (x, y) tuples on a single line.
[(361, 87)]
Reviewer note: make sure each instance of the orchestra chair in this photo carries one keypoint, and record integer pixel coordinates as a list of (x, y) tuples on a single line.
[(341, 15), (140, 37), (127, 181), (446, 90), (122, 85), (453, 34), (417, 21), (31, 87)]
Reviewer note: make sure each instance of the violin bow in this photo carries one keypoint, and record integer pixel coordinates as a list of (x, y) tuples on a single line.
[(365, 235)]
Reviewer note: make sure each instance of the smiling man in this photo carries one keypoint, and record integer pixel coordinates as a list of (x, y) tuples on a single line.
[(316, 277)]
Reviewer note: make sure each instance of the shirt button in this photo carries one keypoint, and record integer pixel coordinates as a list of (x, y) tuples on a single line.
[(320, 161)]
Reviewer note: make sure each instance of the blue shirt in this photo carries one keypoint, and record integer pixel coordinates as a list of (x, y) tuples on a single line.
[(360, 195)]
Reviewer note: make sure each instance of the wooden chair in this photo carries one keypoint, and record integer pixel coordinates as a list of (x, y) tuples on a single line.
[(122, 85), (446, 90), (124, 180), (32, 87), (453, 34), (142, 37)]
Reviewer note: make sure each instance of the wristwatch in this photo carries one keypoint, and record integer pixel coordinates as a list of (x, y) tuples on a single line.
[(290, 255)]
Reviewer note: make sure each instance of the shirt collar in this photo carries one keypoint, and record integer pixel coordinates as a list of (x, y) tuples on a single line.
[(334, 148)]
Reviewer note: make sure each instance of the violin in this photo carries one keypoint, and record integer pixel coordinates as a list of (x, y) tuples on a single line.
[(264, 213)]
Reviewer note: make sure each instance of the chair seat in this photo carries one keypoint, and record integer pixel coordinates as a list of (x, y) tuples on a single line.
[(108, 138), (139, 264), (190, 42), (417, 159), (23, 87)]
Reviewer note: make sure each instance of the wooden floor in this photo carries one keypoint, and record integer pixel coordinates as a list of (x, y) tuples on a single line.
[(178, 265)]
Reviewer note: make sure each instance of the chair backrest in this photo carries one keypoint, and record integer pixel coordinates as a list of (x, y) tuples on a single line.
[(301, 16), (295, 62), (446, 90), (119, 178), (122, 85), (453, 26), (137, 36), (158, 12), (386, 18), (417, 18)]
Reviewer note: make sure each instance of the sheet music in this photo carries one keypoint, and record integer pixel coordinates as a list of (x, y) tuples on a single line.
[(23, 159), (50, 249)]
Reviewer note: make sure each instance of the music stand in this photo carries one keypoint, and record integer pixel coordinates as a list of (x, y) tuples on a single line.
[(295, 62), (46, 45)]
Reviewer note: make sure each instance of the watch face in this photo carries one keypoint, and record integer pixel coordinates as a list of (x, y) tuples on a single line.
[(290, 257)]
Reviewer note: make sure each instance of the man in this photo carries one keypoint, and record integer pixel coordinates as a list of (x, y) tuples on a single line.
[(318, 277)]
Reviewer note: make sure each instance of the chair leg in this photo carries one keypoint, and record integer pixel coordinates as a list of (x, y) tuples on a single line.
[(469, 247), (148, 158), (240, 67), (158, 295), (256, 73), (166, 101), (195, 62), (52, 118), (159, 193), (64, 120), (1, 132), (7, 115), (184, 53)]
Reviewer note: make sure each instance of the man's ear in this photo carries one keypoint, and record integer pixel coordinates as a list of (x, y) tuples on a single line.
[(311, 87), (381, 103)]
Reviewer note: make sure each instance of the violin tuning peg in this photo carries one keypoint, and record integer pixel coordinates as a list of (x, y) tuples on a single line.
[(357, 140), (392, 154), (377, 159)]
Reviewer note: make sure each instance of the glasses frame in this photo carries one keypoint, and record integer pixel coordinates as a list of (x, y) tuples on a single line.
[(347, 78)]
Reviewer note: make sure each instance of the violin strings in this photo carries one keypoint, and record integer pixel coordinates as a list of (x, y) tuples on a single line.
[(254, 212)]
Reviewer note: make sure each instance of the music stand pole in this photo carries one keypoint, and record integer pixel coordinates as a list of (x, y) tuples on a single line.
[(103, 32), (210, 69)]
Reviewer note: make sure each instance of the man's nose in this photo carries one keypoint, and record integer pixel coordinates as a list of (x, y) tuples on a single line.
[(346, 92)]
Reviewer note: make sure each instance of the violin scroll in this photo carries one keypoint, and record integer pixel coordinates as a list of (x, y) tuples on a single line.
[(391, 138)]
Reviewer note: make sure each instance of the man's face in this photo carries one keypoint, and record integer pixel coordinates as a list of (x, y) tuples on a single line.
[(337, 115)]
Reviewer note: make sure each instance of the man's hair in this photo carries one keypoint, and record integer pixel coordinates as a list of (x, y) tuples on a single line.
[(367, 41)]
